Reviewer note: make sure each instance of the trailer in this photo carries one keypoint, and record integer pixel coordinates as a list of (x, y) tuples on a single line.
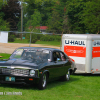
[(84, 49)]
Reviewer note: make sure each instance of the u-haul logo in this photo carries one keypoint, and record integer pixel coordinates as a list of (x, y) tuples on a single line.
[(74, 51), (96, 43), (75, 42)]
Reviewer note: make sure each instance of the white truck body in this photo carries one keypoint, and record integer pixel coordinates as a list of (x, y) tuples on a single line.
[(84, 49)]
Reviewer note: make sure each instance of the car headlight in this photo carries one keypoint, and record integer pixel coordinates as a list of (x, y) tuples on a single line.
[(32, 72)]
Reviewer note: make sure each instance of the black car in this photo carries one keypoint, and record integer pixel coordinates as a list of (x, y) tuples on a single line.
[(29, 65)]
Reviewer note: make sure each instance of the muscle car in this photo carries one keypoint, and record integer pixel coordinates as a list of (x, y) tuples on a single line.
[(35, 65)]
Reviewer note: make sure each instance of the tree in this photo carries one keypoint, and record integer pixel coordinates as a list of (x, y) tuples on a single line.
[(35, 20), (56, 22), (91, 16), (4, 26), (74, 13), (12, 12)]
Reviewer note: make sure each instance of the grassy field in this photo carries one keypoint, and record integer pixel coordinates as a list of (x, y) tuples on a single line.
[(4, 56), (54, 43), (79, 87), (18, 40)]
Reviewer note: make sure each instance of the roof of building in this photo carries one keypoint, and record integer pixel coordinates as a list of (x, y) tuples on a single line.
[(42, 27)]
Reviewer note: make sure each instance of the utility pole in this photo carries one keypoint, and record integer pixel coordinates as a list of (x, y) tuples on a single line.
[(21, 19)]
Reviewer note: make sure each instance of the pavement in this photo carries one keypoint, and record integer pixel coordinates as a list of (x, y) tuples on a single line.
[(10, 47)]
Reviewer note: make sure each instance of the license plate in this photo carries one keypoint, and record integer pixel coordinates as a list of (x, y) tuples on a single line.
[(10, 78)]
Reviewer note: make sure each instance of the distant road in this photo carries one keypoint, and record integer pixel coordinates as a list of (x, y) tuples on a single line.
[(10, 47)]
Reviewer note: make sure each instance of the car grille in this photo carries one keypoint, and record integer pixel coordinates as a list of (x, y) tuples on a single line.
[(14, 71)]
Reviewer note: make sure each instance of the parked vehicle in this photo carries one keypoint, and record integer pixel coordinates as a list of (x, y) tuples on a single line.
[(84, 49), (29, 65)]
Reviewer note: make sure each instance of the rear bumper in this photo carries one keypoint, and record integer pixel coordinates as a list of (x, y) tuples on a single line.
[(73, 70), (19, 79)]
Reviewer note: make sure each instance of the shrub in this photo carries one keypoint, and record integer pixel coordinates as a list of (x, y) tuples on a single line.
[(41, 37), (33, 37), (11, 38), (50, 38)]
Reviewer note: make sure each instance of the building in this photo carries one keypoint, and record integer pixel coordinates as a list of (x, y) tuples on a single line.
[(42, 28), (3, 37)]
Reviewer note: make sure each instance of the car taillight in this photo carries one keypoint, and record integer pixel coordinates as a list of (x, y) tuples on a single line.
[(71, 60)]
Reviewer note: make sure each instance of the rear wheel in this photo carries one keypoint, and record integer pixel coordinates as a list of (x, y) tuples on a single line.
[(66, 77), (43, 82)]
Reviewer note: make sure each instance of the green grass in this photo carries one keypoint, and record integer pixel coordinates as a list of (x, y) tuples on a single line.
[(18, 40), (54, 43), (4, 55), (79, 87)]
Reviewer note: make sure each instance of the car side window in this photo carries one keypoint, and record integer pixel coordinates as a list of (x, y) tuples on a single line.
[(63, 58), (56, 56)]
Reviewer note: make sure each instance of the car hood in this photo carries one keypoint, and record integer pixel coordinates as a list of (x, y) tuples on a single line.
[(18, 62)]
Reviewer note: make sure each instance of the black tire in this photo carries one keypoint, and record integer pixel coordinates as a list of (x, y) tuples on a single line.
[(66, 77), (43, 82)]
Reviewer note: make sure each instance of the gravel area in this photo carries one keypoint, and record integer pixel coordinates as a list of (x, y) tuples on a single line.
[(10, 47)]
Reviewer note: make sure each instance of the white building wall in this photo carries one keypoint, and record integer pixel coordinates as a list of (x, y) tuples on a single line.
[(3, 37)]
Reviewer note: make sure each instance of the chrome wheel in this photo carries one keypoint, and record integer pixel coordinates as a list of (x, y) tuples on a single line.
[(68, 76), (44, 80)]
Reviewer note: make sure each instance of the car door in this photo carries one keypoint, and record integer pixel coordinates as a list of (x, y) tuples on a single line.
[(56, 66), (66, 63)]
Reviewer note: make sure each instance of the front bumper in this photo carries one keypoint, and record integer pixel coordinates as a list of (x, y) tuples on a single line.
[(19, 79)]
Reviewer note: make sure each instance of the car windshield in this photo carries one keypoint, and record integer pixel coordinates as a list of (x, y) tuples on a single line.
[(31, 54)]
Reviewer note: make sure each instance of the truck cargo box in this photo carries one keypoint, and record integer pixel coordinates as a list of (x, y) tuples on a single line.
[(84, 49)]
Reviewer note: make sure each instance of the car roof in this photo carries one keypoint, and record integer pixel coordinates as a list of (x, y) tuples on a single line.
[(44, 48)]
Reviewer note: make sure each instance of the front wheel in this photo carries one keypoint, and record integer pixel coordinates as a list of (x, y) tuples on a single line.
[(43, 82)]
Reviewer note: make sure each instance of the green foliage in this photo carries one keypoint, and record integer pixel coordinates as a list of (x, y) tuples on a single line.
[(55, 22), (4, 26), (11, 37), (91, 16), (74, 13), (50, 38), (41, 37), (12, 13), (33, 37), (61, 16), (35, 20)]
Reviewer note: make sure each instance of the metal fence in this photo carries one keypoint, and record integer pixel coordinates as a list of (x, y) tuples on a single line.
[(30, 39)]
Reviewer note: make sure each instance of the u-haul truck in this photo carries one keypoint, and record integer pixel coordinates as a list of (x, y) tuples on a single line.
[(84, 49)]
